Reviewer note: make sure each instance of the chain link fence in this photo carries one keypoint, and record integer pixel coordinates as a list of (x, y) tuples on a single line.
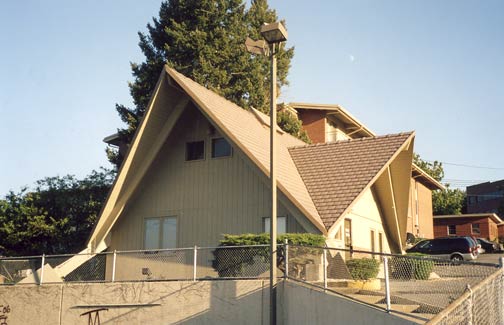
[(481, 304), (418, 286), (140, 265), (424, 288)]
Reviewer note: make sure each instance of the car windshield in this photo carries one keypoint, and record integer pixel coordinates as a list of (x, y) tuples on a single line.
[(422, 244)]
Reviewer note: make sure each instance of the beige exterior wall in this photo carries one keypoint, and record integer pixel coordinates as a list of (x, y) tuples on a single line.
[(365, 216), (420, 221), (209, 197)]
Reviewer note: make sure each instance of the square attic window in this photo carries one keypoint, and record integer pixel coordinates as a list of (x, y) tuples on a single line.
[(195, 150), (220, 148)]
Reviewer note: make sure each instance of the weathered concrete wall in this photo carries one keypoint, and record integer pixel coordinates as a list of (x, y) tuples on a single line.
[(204, 302), (184, 302), (304, 305)]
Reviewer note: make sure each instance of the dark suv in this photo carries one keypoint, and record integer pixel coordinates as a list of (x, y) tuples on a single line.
[(453, 248)]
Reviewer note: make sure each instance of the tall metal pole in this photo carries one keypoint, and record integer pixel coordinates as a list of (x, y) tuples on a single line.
[(273, 219)]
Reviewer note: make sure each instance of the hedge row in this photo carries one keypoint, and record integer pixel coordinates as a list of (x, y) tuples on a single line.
[(264, 239), (411, 268)]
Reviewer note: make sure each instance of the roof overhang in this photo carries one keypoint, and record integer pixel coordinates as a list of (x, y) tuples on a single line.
[(341, 113), (112, 139), (419, 174)]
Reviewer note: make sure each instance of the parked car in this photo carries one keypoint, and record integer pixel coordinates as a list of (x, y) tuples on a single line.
[(488, 246), (453, 248)]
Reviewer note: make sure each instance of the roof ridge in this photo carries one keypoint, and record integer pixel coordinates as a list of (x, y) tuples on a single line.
[(390, 135), (251, 110)]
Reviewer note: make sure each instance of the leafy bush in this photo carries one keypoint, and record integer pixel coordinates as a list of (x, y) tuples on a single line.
[(240, 261), (411, 268), (263, 239), (363, 268)]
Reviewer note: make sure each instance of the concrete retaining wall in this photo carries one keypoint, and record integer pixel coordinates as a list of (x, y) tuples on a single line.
[(204, 302), (305, 305), (177, 302)]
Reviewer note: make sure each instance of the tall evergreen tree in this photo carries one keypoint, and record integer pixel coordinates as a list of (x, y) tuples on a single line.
[(204, 40)]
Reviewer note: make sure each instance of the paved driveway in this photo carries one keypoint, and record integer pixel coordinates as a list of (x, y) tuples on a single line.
[(489, 258)]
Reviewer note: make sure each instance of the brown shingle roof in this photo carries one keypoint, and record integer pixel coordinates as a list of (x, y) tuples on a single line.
[(336, 173)]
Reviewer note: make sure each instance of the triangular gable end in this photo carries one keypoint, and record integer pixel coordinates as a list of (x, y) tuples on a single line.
[(175, 91), (391, 186)]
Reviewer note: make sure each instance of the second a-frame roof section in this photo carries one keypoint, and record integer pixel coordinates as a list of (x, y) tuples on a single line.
[(337, 173), (252, 137)]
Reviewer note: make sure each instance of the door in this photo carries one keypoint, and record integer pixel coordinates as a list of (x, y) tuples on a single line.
[(348, 237)]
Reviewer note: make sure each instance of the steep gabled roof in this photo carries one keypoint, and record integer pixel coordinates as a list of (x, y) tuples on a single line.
[(316, 179), (250, 132), (336, 173)]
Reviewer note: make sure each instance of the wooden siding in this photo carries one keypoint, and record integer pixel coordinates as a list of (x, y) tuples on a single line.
[(209, 197), (425, 225), (420, 201)]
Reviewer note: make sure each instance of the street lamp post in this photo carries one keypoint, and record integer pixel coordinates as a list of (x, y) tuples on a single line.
[(274, 34)]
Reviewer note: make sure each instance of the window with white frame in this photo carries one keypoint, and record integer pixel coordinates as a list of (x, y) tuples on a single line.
[(160, 232), (281, 225), (452, 230)]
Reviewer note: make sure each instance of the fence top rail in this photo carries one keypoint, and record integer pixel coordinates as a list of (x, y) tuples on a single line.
[(424, 258), (10, 258), (236, 246), (160, 250)]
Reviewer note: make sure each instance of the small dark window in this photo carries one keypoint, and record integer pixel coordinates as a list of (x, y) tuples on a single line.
[(195, 150), (476, 228), (452, 230), (220, 148)]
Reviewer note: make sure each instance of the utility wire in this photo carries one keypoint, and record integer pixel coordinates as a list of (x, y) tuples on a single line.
[(468, 166)]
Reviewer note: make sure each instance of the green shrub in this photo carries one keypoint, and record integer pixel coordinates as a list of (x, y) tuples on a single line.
[(263, 239), (363, 268), (238, 261), (411, 268)]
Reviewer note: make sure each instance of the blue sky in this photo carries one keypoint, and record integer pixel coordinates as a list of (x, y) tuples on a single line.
[(436, 67)]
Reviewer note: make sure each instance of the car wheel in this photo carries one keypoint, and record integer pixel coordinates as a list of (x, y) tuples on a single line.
[(456, 258)]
